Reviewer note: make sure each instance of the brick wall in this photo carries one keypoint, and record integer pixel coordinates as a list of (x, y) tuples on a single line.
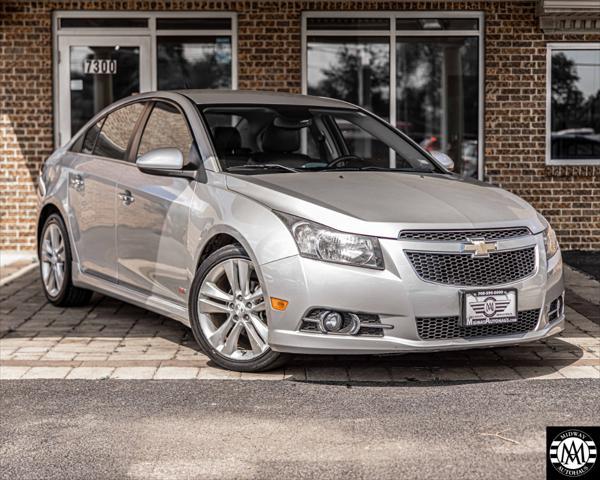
[(269, 59)]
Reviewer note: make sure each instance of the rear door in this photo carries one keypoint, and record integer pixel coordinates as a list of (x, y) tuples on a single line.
[(153, 212), (93, 189)]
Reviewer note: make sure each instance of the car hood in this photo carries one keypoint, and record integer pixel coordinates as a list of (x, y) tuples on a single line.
[(382, 203)]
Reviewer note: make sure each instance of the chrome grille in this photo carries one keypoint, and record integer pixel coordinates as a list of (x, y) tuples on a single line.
[(463, 269), (441, 328), (464, 235)]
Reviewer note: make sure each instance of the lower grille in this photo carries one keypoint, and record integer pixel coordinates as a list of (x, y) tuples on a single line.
[(442, 328), (463, 269)]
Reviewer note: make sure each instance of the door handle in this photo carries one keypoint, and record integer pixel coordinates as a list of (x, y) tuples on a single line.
[(76, 182), (126, 197)]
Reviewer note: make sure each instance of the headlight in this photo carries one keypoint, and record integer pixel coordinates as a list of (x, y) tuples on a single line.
[(322, 243), (550, 241)]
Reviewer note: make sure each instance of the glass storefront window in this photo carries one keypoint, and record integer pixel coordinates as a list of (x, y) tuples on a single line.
[(102, 57), (354, 69), (574, 97), (437, 96), (193, 62), (99, 77), (434, 91)]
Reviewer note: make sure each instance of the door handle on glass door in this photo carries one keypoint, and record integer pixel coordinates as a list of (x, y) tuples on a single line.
[(126, 197)]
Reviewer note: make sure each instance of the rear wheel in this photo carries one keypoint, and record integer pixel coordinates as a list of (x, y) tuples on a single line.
[(228, 312), (54, 252)]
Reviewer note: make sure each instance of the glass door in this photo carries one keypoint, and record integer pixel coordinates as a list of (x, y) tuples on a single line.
[(94, 72)]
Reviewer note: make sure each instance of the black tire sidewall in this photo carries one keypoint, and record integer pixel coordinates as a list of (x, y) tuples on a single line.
[(62, 294), (267, 360)]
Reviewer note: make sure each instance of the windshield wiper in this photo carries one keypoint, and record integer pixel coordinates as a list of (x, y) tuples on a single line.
[(263, 166), (389, 169), (370, 168)]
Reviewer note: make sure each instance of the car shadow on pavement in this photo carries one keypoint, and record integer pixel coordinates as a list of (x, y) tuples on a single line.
[(107, 330)]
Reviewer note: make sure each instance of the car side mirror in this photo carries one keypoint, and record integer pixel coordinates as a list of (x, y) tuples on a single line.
[(161, 159), (443, 159)]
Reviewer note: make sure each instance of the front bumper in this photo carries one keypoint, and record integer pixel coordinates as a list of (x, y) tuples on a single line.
[(398, 296)]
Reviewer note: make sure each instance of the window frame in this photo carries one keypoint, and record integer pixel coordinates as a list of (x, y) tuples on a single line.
[(550, 47), (393, 35)]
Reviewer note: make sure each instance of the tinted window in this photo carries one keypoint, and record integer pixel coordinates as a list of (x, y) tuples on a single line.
[(193, 62), (116, 132), (166, 127)]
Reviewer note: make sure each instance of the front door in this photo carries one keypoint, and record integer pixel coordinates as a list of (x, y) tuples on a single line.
[(94, 72), (153, 213)]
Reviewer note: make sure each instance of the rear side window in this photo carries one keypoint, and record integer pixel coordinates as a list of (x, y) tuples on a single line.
[(116, 132), (166, 128)]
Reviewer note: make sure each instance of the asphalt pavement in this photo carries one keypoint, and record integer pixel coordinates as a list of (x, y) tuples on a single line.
[(263, 429)]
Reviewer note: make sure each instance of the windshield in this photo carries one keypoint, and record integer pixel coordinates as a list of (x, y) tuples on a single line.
[(254, 139)]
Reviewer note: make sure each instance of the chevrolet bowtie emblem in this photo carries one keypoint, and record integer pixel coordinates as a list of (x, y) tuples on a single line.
[(478, 247)]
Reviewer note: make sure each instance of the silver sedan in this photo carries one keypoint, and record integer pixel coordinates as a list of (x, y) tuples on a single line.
[(273, 224)]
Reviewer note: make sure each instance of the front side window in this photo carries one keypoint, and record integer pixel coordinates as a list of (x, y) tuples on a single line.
[(288, 138), (113, 140), (573, 136), (166, 128)]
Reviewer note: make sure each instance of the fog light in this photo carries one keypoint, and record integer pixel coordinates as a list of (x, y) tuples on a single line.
[(331, 321)]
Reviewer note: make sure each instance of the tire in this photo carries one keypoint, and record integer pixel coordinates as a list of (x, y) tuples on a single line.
[(232, 325), (64, 293)]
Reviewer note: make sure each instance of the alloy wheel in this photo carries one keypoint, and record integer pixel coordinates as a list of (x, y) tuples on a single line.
[(52, 257), (232, 311)]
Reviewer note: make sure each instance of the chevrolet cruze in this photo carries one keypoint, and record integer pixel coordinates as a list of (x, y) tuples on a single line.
[(274, 223)]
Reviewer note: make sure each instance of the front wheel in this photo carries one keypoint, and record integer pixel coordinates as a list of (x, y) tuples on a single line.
[(228, 312)]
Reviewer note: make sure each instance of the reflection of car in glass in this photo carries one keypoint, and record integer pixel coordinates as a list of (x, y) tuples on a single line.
[(469, 157), (580, 144), (272, 224), (432, 144)]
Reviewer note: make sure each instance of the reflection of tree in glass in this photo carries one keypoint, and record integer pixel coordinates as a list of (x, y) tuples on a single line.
[(359, 74), (193, 65), (570, 108), (437, 96), (419, 84)]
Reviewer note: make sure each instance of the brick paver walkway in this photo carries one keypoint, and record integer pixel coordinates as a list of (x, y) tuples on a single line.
[(111, 339)]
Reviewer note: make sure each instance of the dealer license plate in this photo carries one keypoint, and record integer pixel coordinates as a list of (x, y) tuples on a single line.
[(488, 307)]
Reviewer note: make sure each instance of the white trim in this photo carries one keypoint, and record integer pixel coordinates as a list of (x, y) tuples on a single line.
[(61, 104), (549, 49), (394, 34), (550, 6)]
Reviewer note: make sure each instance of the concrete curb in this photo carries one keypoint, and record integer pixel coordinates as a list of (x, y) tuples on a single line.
[(19, 273)]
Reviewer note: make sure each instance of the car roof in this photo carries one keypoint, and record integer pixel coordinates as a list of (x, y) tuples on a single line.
[(212, 97)]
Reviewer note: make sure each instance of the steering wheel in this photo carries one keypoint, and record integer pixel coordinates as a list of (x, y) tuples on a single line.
[(344, 158)]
